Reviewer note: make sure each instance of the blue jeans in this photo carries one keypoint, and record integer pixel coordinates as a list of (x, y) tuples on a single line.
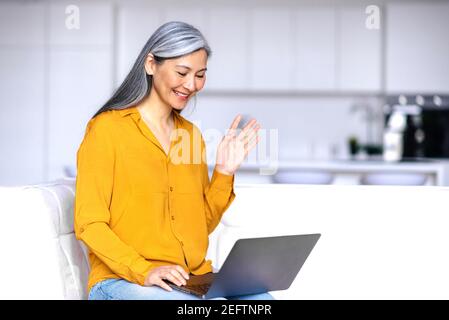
[(119, 289)]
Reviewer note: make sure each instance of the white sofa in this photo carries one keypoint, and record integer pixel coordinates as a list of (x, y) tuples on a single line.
[(42, 258), (378, 242)]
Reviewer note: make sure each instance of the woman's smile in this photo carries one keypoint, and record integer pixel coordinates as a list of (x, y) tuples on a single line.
[(181, 95)]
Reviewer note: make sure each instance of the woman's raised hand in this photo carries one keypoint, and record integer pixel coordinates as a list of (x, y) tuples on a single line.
[(173, 273), (234, 148)]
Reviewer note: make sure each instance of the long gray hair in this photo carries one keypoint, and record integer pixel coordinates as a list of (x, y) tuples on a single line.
[(171, 40)]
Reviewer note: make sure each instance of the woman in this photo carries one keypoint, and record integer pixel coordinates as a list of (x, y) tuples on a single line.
[(144, 203)]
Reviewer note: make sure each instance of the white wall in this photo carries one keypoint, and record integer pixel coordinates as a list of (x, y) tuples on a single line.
[(81, 72), (22, 93)]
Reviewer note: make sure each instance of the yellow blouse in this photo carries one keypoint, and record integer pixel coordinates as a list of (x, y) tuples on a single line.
[(136, 207)]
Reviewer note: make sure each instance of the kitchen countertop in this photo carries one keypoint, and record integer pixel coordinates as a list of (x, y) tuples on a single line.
[(438, 168), (415, 165)]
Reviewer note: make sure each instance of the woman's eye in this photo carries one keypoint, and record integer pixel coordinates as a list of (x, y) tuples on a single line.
[(184, 74)]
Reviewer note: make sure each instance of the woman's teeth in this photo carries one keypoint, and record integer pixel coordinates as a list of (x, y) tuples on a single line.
[(180, 94)]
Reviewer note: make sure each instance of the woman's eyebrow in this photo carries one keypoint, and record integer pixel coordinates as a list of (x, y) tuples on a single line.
[(183, 66)]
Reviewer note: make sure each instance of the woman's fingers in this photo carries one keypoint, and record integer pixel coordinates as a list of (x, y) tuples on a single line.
[(251, 145), (179, 278), (233, 128), (159, 282), (170, 277), (172, 273), (182, 272), (248, 126), (246, 133), (251, 133), (248, 129), (235, 123), (241, 145)]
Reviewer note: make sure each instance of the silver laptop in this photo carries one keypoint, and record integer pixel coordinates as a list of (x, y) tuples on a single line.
[(254, 265)]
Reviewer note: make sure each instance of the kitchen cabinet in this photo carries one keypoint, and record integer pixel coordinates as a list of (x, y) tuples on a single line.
[(271, 55), (358, 51), (417, 48), (314, 47), (303, 47), (228, 67)]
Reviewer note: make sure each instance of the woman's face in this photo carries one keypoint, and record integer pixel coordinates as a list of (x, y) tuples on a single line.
[(177, 80)]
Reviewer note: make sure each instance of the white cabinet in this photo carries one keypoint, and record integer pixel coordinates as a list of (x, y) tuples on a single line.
[(228, 37), (271, 56), (417, 47), (304, 47), (314, 41), (298, 47), (359, 51)]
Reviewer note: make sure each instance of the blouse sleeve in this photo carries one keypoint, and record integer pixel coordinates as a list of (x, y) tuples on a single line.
[(218, 193), (94, 184)]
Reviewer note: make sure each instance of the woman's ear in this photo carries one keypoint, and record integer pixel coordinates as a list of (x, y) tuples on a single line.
[(149, 64)]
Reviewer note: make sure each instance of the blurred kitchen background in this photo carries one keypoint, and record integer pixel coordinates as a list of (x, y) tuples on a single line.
[(357, 90)]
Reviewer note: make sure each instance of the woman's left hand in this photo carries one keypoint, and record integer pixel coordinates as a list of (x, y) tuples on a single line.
[(233, 148)]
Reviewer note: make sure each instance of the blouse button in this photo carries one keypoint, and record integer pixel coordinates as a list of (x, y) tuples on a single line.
[(171, 188)]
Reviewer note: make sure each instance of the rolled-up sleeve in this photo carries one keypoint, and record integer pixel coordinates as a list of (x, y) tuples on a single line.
[(94, 187), (218, 193)]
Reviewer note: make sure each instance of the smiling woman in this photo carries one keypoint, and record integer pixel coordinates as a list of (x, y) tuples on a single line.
[(182, 77), (144, 216)]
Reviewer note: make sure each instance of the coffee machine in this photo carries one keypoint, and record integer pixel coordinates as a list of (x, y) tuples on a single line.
[(424, 127)]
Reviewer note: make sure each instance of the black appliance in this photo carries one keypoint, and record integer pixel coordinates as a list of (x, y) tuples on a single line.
[(426, 133)]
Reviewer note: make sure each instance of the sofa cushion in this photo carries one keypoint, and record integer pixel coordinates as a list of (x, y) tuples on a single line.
[(29, 268), (60, 200), (72, 254), (74, 267)]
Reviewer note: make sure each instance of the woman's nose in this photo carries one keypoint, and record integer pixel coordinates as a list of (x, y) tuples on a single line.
[(190, 85)]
